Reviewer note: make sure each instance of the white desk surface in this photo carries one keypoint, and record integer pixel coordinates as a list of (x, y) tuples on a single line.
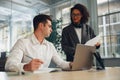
[(107, 74)]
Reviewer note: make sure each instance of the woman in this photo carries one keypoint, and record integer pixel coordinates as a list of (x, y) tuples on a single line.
[(78, 32)]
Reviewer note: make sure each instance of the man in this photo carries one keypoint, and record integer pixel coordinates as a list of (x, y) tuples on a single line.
[(78, 32), (34, 52)]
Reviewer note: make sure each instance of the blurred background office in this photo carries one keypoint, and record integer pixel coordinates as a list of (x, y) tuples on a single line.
[(16, 22)]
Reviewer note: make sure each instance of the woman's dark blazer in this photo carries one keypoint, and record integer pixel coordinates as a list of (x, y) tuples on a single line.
[(70, 39)]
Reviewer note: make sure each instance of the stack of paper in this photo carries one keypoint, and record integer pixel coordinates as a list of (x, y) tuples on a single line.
[(95, 40)]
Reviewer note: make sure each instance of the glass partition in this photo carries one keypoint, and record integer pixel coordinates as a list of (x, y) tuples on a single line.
[(14, 24)]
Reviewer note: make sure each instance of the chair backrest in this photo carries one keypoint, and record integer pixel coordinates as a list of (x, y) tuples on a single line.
[(3, 59)]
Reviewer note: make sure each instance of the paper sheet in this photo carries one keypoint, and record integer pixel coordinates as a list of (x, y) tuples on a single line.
[(95, 40), (47, 70)]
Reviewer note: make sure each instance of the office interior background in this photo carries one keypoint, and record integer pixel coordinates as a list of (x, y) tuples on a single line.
[(16, 21)]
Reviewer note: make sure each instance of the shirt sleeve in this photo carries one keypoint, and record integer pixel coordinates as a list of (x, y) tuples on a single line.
[(59, 61), (14, 59)]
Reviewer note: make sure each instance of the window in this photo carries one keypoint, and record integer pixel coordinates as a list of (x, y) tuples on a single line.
[(100, 21), (109, 25), (65, 15), (13, 25)]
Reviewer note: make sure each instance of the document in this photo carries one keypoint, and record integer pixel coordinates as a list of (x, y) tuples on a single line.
[(94, 41), (3, 76), (47, 70)]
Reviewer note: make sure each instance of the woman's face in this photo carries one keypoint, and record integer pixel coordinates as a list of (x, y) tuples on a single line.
[(76, 16)]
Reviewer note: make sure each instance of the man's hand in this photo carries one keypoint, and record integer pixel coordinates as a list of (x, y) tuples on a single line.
[(33, 65), (71, 64)]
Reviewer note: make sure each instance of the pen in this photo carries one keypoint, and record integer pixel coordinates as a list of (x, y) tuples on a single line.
[(28, 56)]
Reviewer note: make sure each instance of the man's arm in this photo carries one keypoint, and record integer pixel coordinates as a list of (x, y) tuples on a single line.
[(14, 59), (59, 61)]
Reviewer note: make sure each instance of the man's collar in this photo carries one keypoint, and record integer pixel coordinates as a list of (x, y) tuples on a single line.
[(35, 40)]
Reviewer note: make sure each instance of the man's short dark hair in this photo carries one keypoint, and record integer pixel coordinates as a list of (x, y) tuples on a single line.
[(41, 18)]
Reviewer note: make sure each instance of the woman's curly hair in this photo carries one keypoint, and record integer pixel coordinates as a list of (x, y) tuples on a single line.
[(84, 12)]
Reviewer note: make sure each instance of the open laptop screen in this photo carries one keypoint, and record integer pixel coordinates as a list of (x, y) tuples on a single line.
[(83, 58)]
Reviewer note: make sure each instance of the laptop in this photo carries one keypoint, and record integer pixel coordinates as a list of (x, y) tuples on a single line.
[(83, 58)]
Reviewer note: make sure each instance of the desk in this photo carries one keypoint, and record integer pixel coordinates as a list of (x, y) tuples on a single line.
[(107, 74)]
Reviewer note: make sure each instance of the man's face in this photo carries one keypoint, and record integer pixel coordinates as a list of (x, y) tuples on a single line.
[(76, 16), (47, 29)]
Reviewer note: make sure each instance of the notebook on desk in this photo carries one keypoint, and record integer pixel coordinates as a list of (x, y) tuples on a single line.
[(83, 58)]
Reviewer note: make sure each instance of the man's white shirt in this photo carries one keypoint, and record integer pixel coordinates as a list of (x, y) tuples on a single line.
[(30, 46)]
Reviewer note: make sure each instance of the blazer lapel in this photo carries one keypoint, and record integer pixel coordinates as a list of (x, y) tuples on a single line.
[(83, 34), (74, 35)]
